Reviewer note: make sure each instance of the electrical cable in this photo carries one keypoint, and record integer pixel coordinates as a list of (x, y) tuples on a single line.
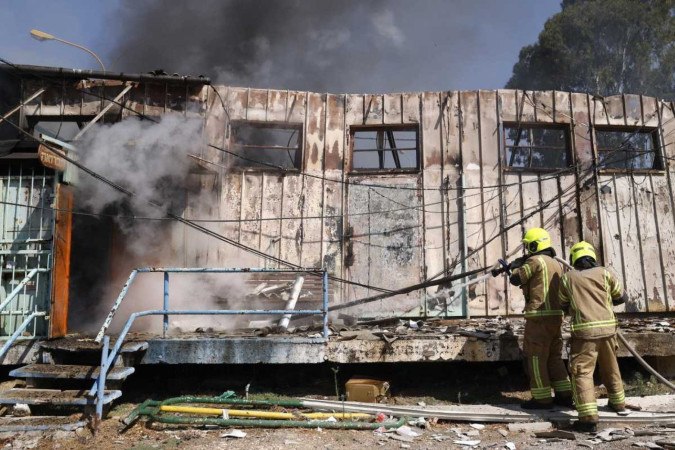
[(211, 233)]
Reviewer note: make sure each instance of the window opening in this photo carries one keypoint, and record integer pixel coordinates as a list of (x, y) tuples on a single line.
[(266, 145), (385, 148), (536, 147), (628, 149)]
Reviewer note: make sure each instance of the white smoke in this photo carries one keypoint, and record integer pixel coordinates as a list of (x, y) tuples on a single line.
[(151, 160), (146, 158)]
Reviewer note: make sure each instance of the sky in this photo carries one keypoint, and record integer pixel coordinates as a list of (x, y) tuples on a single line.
[(347, 46)]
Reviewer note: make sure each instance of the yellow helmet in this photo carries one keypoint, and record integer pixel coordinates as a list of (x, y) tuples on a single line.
[(580, 250), (536, 240)]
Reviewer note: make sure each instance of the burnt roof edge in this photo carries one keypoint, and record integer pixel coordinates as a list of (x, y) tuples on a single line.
[(80, 74)]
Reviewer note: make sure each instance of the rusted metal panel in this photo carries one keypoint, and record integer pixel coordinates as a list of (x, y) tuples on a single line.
[(58, 324), (561, 113), (588, 201), (291, 227), (373, 109), (665, 235), (451, 183), (666, 112), (251, 211), (270, 230), (634, 282), (256, 105), (434, 242), (613, 248), (614, 110), (237, 101), (526, 107), (650, 111), (296, 109), (315, 130), (216, 124), (276, 105), (333, 190), (651, 261), (545, 105), (392, 108), (411, 108), (633, 109), (230, 211), (492, 214), (472, 172)]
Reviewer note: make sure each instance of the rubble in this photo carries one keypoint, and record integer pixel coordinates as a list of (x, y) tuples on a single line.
[(529, 426)]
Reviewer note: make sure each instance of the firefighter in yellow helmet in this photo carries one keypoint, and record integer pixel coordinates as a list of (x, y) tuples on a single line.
[(538, 274), (588, 294)]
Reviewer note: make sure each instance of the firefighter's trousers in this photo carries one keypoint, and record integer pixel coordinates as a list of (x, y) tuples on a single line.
[(543, 352), (583, 357)]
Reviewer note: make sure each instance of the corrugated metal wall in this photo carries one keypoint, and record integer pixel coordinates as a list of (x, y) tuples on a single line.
[(462, 210), (326, 216)]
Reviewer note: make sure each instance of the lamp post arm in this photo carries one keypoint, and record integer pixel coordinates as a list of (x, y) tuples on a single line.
[(82, 48)]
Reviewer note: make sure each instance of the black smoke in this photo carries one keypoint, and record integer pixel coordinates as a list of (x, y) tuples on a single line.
[(315, 45)]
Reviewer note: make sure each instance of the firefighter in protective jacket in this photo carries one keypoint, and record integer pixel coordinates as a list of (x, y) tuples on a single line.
[(538, 274), (588, 295)]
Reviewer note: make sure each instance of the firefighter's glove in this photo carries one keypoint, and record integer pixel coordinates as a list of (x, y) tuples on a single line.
[(518, 262), (621, 300), (498, 270)]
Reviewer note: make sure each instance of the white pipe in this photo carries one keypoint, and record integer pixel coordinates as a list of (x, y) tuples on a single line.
[(290, 305)]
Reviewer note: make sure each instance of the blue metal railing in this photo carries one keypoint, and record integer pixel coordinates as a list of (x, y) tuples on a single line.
[(108, 358)]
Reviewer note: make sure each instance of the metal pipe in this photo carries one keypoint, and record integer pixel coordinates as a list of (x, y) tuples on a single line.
[(208, 312), (19, 287), (108, 320), (224, 270), (465, 416), (20, 329), (80, 74), (165, 325), (224, 412), (262, 423), (324, 286), (9, 113), (101, 113), (290, 305), (103, 373)]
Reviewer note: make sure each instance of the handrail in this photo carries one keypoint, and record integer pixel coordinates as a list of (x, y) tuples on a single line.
[(207, 312), (135, 272), (108, 358), (20, 286), (18, 332)]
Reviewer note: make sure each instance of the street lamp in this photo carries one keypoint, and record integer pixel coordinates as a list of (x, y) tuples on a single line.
[(42, 36)]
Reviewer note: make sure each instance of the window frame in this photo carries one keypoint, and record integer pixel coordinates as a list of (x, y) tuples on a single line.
[(569, 147), (412, 127), (262, 167), (656, 142)]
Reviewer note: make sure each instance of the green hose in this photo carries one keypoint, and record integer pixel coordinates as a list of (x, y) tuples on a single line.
[(151, 409)]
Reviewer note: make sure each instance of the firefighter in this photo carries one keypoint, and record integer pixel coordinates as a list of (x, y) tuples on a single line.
[(588, 294), (538, 274)]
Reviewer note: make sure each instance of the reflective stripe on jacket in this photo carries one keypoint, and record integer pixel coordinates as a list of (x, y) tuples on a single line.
[(540, 278), (589, 294)]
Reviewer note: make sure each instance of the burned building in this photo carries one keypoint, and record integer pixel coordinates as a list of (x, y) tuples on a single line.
[(383, 191)]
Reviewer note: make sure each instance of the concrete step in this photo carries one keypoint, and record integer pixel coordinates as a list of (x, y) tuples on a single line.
[(69, 372), (53, 397), (39, 423), (89, 345)]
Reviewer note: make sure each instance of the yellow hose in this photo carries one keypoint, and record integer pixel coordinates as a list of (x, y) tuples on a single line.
[(261, 414)]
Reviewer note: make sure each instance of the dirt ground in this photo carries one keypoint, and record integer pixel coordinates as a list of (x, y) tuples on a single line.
[(436, 384)]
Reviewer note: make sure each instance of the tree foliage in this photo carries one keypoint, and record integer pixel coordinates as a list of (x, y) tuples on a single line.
[(603, 47)]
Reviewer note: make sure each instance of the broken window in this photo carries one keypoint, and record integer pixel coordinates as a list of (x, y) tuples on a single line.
[(536, 147), (385, 148), (266, 146), (627, 149)]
